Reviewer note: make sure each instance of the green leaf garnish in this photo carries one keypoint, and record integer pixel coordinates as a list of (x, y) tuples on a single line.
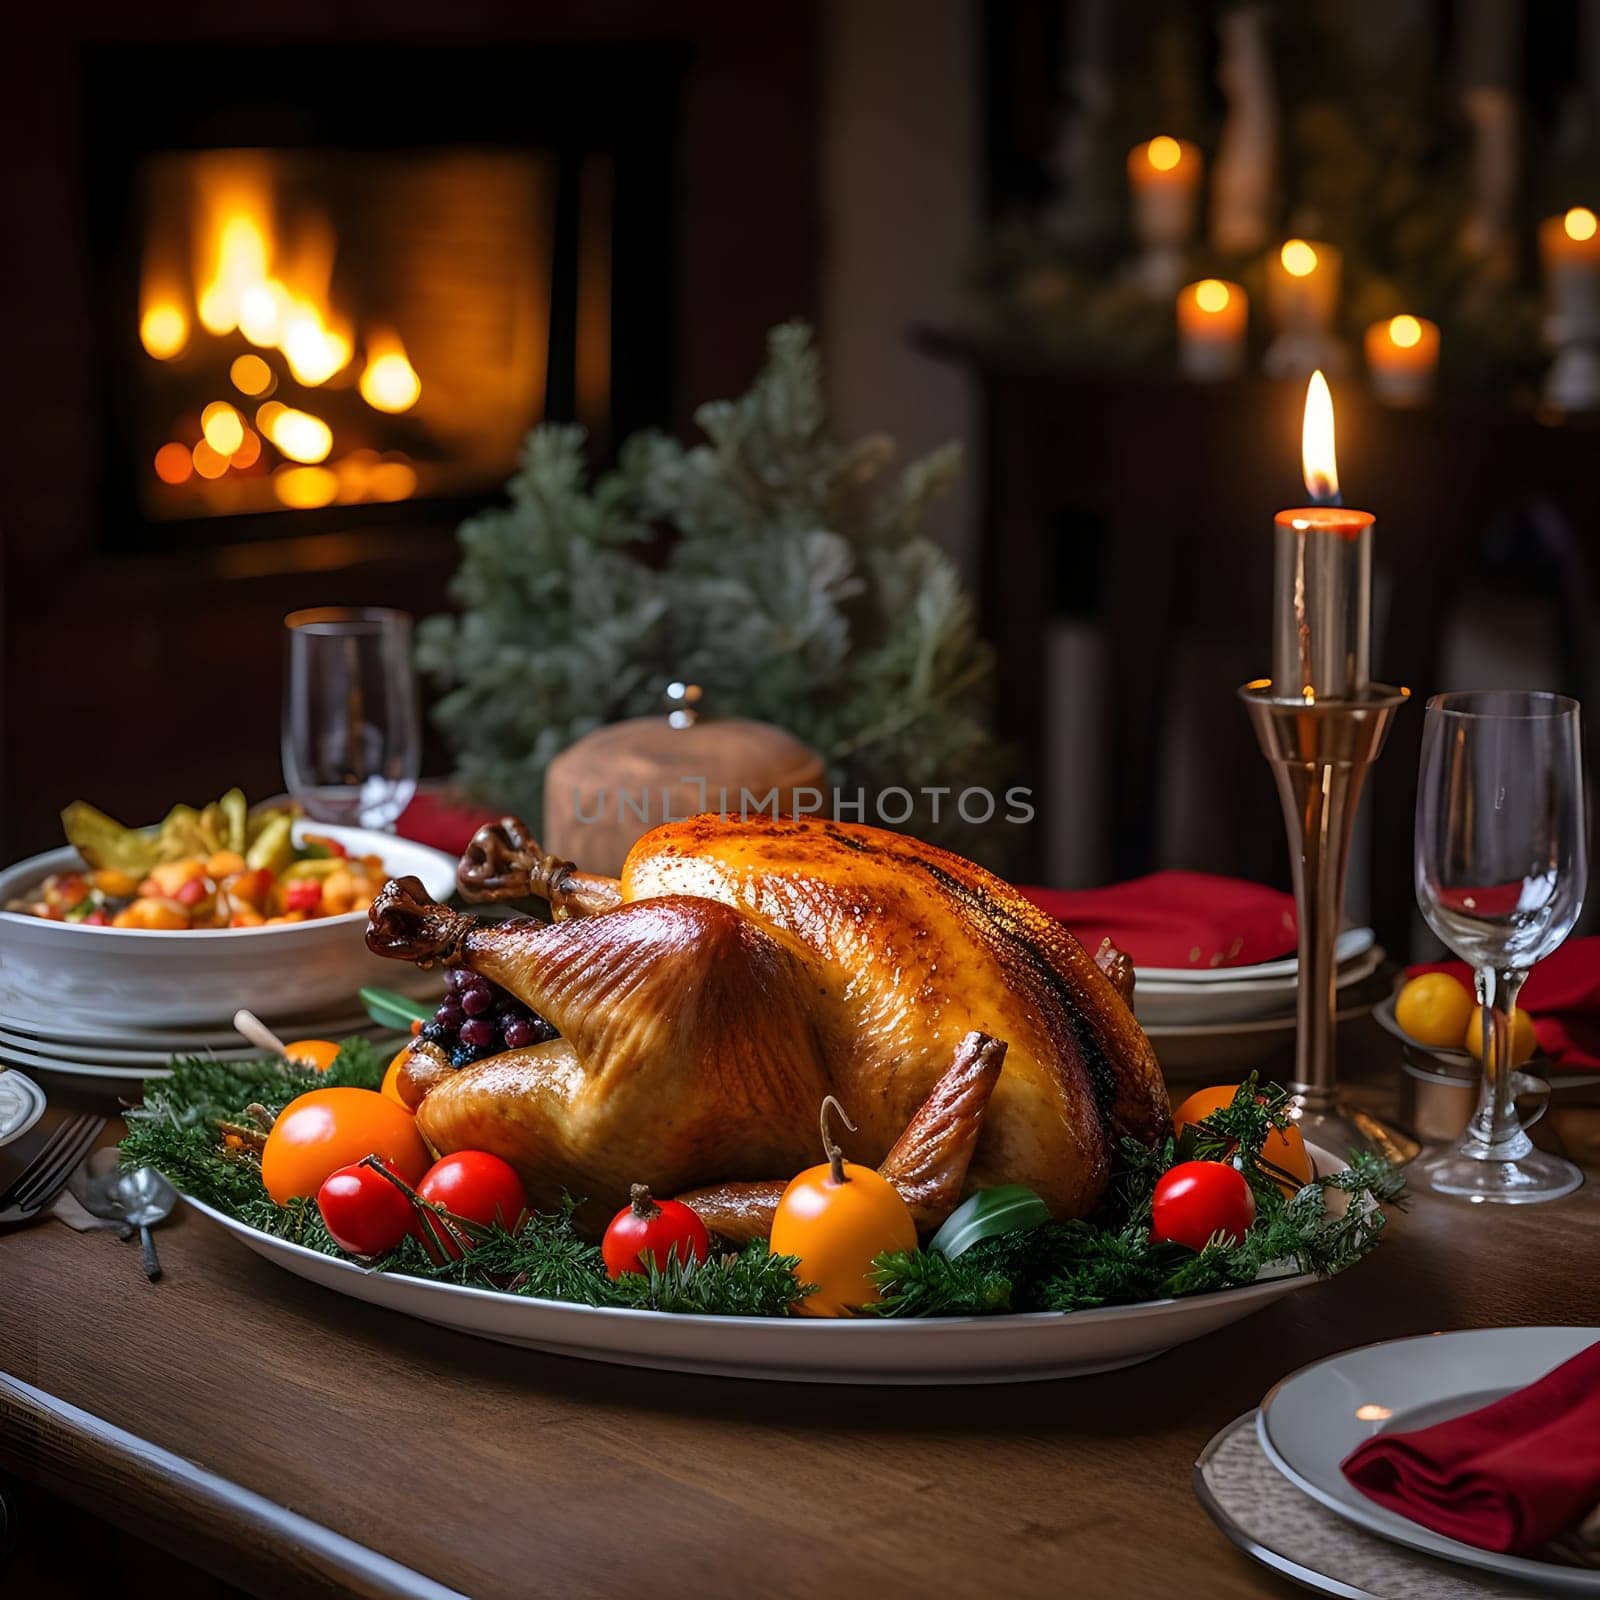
[(1006, 1209)]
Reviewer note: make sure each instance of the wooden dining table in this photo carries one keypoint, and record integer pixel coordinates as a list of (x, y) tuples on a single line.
[(293, 1442)]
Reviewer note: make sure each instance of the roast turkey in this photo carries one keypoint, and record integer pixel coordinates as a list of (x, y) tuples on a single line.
[(738, 972)]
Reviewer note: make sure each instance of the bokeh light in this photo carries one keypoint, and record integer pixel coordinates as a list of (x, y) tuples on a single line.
[(251, 375), (173, 464), (305, 488), (222, 426), (1405, 331), (1299, 259), (208, 463), (164, 331)]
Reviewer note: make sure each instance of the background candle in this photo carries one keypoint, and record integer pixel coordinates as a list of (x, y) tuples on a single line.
[(1212, 317), (1303, 285), (1570, 248), (1322, 590), (1302, 296), (1164, 175), (1403, 359)]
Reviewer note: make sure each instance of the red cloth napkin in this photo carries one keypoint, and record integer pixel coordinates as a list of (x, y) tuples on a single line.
[(1562, 996), (443, 820), (1506, 1477), (1178, 919)]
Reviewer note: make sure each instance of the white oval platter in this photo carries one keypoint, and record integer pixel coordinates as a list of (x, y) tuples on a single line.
[(927, 1350)]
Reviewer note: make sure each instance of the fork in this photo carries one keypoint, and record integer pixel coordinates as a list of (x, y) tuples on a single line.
[(46, 1175)]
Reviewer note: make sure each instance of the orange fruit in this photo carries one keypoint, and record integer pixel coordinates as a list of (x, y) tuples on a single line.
[(1286, 1150), (1433, 1009), (838, 1230), (315, 1053), (1523, 1041), (326, 1129), (391, 1079)]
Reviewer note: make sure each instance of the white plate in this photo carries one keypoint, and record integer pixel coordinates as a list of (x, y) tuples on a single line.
[(21, 1104), (1235, 1002), (99, 1062), (52, 974), (1351, 943), (931, 1350), (62, 1056), (175, 1040), (1308, 1424), (1225, 1047), (211, 1041)]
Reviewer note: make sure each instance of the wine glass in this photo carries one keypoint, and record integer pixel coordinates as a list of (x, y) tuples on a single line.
[(1501, 868), (352, 735)]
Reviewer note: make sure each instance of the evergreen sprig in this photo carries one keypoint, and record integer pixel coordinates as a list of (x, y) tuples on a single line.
[(1061, 1266), (795, 587), (1071, 1266)]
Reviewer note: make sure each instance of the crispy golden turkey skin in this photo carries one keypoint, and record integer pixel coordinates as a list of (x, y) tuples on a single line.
[(740, 970)]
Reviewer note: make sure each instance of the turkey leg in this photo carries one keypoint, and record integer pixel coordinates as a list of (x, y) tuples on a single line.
[(928, 1164), (504, 862)]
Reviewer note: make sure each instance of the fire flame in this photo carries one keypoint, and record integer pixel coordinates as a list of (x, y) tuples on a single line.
[(255, 276), (390, 382), (1317, 457)]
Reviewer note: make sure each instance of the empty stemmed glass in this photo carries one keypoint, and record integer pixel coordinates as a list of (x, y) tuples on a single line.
[(1501, 869), (352, 733)]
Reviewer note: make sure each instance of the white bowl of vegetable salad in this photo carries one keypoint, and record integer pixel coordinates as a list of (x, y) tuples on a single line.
[(58, 964)]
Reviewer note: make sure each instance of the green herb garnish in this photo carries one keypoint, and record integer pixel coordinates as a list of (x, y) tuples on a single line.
[(1027, 1264)]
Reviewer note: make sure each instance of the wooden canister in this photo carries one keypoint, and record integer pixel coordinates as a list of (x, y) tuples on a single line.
[(615, 784)]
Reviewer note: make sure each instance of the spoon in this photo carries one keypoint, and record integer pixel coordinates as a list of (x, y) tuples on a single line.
[(146, 1198), (94, 1184)]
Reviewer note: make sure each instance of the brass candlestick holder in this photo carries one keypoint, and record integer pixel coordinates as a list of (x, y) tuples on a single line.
[(1319, 751)]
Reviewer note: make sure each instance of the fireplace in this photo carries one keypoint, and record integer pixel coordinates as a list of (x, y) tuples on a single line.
[(334, 295), (633, 185)]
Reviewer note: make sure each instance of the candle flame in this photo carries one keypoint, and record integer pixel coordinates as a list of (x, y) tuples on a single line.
[(1164, 153), (1580, 223), (1317, 459), (1298, 258), (1211, 294), (1405, 331)]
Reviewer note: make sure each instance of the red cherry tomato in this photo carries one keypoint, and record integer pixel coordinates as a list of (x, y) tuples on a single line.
[(1197, 1200), (366, 1214), (660, 1229), (472, 1184)]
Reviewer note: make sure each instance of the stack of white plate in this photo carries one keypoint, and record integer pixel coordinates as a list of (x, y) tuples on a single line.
[(87, 1049), (117, 1004), (1219, 1016)]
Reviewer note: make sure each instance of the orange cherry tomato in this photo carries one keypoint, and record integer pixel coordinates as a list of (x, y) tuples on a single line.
[(1286, 1150), (326, 1129), (391, 1080), (317, 1054), (837, 1218)]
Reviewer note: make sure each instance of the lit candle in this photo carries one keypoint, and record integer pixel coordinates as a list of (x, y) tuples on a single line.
[(1570, 248), (1303, 285), (1212, 316), (1402, 358), (1302, 295), (1164, 174), (1322, 600)]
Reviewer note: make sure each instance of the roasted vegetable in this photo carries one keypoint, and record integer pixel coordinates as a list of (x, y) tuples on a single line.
[(274, 848), (105, 843)]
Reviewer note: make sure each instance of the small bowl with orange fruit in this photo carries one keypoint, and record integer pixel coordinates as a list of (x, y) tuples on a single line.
[(1439, 1021)]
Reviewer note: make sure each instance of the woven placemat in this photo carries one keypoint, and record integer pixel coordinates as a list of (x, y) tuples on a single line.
[(1271, 1520)]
